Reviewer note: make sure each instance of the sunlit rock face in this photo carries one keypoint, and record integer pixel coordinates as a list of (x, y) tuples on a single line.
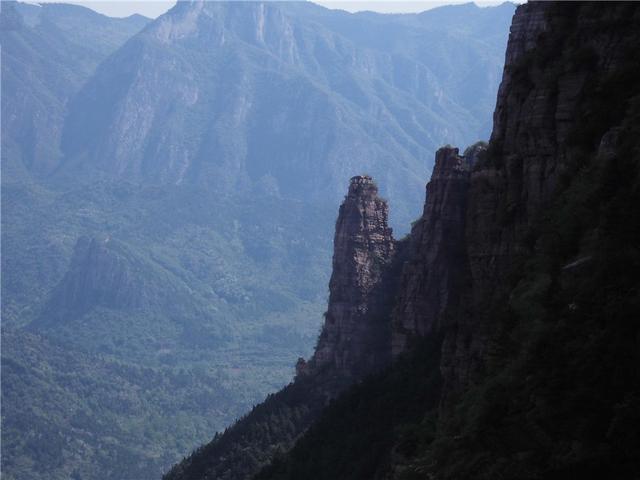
[(352, 338), (233, 96)]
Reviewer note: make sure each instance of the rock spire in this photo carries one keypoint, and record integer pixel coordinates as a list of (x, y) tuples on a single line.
[(354, 339)]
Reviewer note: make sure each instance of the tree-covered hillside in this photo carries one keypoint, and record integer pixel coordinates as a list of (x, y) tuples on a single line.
[(69, 414)]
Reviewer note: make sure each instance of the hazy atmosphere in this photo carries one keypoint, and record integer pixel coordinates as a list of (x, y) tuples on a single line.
[(154, 8), (323, 241)]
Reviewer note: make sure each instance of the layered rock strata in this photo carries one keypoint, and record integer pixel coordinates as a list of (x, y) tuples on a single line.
[(480, 222), (431, 278), (354, 338)]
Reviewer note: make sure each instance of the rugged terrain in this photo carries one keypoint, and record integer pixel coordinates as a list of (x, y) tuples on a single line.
[(288, 98), (513, 328), (168, 190)]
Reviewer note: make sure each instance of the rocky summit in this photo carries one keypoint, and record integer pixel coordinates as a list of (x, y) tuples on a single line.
[(351, 340), (354, 342)]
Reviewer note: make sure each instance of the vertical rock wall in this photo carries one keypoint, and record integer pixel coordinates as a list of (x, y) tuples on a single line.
[(354, 338), (479, 222), (432, 278)]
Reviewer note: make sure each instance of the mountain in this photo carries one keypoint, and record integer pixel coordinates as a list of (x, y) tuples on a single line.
[(289, 97), (350, 346), (168, 190), (513, 328), (48, 52)]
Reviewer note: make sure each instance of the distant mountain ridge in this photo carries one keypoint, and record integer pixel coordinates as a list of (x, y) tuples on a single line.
[(289, 97), (48, 52)]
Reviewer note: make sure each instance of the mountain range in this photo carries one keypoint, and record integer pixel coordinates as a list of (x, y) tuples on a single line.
[(168, 193), (499, 339)]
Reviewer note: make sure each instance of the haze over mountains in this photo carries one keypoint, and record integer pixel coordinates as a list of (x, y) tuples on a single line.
[(499, 339), (169, 189), (291, 83), (383, 89)]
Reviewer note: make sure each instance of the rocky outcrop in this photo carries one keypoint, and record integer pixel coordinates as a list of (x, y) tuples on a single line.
[(437, 265), (479, 225), (354, 342), (521, 302), (354, 338), (102, 273)]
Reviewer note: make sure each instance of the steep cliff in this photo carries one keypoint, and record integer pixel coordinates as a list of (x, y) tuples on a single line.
[(568, 80), (436, 267), (522, 278), (354, 342), (571, 76), (354, 338)]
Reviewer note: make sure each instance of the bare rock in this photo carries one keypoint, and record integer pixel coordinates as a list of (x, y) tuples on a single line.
[(353, 339), (430, 279)]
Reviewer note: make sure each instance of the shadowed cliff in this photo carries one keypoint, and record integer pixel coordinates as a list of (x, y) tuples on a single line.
[(514, 326), (522, 281), (354, 342)]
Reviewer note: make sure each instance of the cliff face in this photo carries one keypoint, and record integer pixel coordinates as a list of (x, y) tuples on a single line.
[(354, 338), (480, 224), (354, 342), (517, 301), (431, 278), (554, 105)]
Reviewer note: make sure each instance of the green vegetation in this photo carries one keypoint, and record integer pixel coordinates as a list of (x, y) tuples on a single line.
[(270, 429), (67, 414), (363, 432), (226, 358), (355, 432), (560, 394)]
